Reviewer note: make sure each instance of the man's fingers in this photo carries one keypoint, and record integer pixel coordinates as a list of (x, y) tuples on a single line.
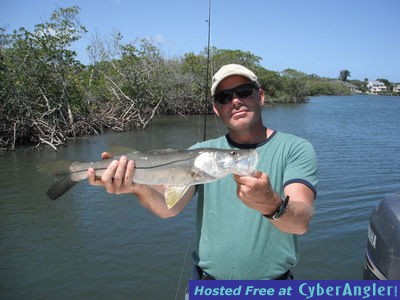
[(108, 176), (120, 172), (92, 177), (246, 179), (117, 178), (129, 171)]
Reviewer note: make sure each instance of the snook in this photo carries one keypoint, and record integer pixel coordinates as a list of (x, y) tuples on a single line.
[(177, 169)]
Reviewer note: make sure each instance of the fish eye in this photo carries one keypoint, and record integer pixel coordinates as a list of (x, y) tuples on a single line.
[(233, 153)]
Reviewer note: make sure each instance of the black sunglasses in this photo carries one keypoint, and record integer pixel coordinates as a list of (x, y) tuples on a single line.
[(241, 91)]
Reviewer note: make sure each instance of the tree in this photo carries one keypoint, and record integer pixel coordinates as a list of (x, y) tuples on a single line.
[(292, 73), (47, 96), (271, 82), (365, 84), (344, 74), (41, 91), (295, 88), (222, 57)]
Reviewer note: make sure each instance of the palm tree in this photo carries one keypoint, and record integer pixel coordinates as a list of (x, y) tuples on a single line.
[(344, 74)]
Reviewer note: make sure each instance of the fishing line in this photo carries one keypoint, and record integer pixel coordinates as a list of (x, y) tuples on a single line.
[(206, 99), (206, 90), (183, 265)]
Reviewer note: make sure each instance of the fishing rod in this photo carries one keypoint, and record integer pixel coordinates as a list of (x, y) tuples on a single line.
[(207, 73), (206, 93)]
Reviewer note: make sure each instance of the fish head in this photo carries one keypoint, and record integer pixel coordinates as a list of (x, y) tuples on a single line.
[(241, 162), (217, 163)]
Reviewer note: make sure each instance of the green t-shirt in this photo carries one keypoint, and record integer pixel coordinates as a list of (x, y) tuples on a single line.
[(237, 242)]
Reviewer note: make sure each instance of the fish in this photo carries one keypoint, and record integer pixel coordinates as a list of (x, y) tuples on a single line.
[(176, 169)]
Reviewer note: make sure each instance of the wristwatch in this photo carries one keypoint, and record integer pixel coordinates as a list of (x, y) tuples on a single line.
[(280, 211)]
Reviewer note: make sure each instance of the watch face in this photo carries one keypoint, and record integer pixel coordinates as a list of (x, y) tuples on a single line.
[(282, 209), (279, 213)]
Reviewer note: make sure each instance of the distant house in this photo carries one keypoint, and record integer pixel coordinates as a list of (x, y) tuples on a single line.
[(396, 88), (376, 87), (353, 88)]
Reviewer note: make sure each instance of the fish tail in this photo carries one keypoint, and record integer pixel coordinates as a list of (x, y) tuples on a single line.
[(60, 187), (61, 170)]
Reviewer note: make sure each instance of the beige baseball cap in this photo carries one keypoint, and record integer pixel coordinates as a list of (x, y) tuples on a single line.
[(229, 70)]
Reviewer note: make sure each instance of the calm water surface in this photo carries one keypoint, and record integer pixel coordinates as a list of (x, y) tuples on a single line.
[(91, 245)]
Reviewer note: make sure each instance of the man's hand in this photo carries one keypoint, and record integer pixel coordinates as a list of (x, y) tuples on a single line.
[(117, 179), (256, 192)]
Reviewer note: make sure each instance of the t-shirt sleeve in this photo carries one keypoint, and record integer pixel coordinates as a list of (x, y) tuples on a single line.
[(301, 166)]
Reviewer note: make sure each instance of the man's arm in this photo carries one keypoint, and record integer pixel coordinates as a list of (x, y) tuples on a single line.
[(117, 179), (299, 211)]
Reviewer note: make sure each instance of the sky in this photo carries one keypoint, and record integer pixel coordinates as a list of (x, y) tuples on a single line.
[(319, 37)]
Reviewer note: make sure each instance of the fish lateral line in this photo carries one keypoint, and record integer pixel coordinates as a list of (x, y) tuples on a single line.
[(92, 165)]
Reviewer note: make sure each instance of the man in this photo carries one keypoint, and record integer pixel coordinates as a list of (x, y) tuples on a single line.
[(247, 225)]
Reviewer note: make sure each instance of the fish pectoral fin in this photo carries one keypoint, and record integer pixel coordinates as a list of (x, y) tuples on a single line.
[(173, 194)]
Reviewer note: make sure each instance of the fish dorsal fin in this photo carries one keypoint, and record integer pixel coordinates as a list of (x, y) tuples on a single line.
[(57, 168), (162, 151), (173, 194), (117, 150)]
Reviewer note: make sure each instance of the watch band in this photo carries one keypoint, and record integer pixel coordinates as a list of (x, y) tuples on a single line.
[(280, 211)]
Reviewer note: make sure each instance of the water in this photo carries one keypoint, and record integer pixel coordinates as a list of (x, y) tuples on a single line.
[(91, 245)]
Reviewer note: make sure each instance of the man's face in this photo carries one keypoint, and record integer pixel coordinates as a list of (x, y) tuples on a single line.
[(242, 112)]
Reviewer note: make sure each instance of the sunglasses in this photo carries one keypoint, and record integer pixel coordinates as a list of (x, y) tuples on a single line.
[(241, 91)]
